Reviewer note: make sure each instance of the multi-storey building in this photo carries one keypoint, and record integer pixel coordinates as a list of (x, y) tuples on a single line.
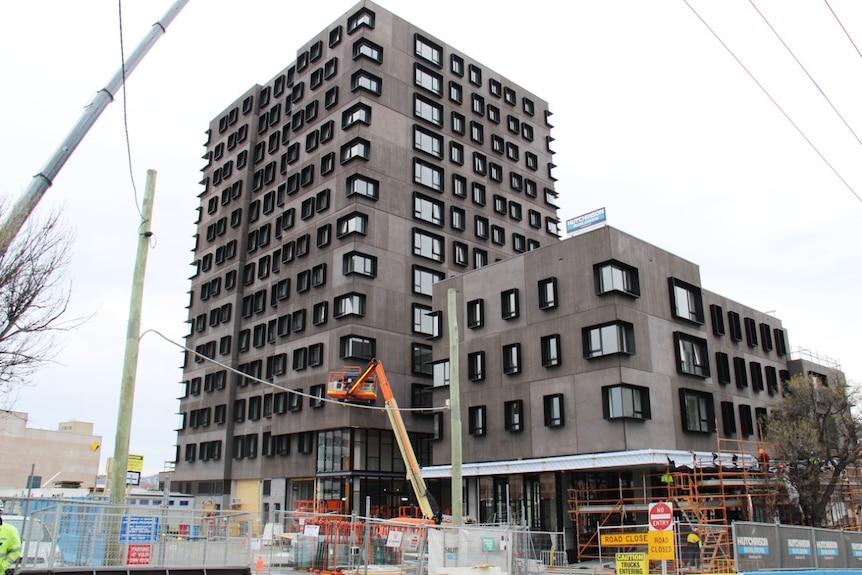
[(335, 195), (592, 368)]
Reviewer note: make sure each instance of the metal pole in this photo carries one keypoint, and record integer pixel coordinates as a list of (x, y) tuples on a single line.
[(455, 407), (45, 178), (130, 363)]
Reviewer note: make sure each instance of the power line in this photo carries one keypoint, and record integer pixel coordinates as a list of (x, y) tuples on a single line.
[(771, 99), (125, 110), (846, 33), (281, 388), (813, 81)]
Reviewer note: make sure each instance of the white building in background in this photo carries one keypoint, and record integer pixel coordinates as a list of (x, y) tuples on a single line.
[(66, 457)]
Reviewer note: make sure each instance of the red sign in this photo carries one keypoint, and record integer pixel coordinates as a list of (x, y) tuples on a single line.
[(660, 516), (138, 554)]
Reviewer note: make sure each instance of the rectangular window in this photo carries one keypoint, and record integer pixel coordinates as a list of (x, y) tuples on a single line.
[(428, 50), (460, 254), (366, 81), (319, 313), (456, 64), (722, 368), (317, 392), (425, 109), (766, 337), (475, 313), (365, 48), (740, 372), (427, 79), (355, 223), (456, 92), (428, 245), (716, 314), (360, 185), (510, 305), (554, 410), (428, 142), (424, 280), (456, 153), (457, 218), (476, 366), (735, 323), (698, 411), (548, 293), (425, 321), (294, 400), (609, 339), (771, 380), (428, 209), (551, 350), (756, 371), (614, 276), (626, 402), (691, 355), (512, 359), (686, 300), (746, 423), (428, 175), (458, 123), (728, 418), (751, 332), (477, 423), (422, 359), (514, 415)]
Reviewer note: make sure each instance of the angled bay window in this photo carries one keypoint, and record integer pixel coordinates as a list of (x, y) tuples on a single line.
[(476, 366), (513, 413), (692, 356), (357, 347), (550, 345), (349, 304), (512, 359), (477, 420), (362, 17), (554, 412), (686, 300), (355, 223), (358, 113), (359, 263), (614, 276), (427, 175), (428, 245), (617, 337), (625, 401), (355, 148), (698, 411), (548, 293), (360, 185), (366, 81), (365, 48)]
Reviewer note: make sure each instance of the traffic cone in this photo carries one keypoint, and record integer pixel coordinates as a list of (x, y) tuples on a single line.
[(258, 566)]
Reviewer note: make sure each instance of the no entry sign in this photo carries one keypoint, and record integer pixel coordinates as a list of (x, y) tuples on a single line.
[(660, 516)]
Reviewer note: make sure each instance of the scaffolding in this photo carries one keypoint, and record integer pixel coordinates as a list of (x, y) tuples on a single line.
[(739, 482)]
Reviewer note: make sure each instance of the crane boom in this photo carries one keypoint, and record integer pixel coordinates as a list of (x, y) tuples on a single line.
[(342, 385)]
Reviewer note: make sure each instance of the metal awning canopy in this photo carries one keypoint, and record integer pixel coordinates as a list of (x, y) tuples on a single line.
[(675, 458)]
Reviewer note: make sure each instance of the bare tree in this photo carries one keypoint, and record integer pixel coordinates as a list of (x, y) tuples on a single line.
[(34, 296), (816, 434)]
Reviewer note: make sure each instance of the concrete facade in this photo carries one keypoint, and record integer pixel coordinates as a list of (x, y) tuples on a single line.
[(379, 161), (63, 456)]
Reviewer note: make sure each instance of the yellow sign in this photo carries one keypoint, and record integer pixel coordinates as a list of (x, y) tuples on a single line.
[(624, 539), (136, 463), (632, 564), (661, 545)]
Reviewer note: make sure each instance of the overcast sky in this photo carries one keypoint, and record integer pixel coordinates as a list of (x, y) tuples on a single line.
[(654, 120)]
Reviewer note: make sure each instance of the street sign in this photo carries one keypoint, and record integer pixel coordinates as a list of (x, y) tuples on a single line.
[(660, 516), (632, 564), (624, 539), (661, 545)]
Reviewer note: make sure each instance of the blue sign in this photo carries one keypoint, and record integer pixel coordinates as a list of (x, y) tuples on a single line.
[(137, 529), (583, 221)]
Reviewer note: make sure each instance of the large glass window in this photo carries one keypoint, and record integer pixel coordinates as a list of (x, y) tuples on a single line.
[(425, 109), (425, 321), (357, 347), (365, 48), (428, 175), (698, 411), (424, 280), (687, 300), (362, 80), (428, 80), (626, 402), (428, 245), (360, 185), (359, 263), (692, 355), (349, 304), (613, 276), (422, 359), (428, 50), (427, 209), (609, 339)]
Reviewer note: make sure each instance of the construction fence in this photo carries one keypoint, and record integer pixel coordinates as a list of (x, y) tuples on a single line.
[(68, 533)]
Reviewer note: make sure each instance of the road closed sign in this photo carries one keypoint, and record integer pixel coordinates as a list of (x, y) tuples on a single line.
[(660, 545), (660, 516)]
